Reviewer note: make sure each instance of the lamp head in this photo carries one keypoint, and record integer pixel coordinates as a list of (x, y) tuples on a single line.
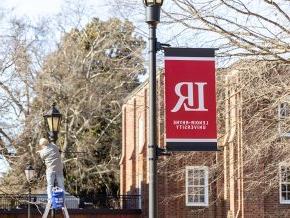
[(153, 2), (29, 172), (53, 119)]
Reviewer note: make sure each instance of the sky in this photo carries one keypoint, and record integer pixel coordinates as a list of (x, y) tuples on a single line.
[(34, 7), (37, 8)]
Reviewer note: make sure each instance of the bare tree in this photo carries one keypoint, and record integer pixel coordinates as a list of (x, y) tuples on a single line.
[(239, 28)]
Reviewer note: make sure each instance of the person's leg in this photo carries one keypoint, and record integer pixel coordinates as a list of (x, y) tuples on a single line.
[(50, 178), (60, 181)]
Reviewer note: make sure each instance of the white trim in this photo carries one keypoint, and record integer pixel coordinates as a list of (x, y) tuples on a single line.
[(280, 183), (190, 140), (282, 131), (286, 135), (169, 58), (197, 204), (140, 135), (140, 180)]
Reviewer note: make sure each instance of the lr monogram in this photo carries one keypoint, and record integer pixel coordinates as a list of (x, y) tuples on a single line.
[(188, 101)]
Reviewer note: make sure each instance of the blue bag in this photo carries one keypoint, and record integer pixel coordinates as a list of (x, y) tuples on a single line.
[(57, 198)]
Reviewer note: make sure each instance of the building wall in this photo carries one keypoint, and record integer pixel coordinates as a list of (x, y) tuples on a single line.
[(229, 184), (239, 197), (171, 189)]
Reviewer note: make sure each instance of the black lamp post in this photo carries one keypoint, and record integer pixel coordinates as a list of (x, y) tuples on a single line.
[(29, 173), (53, 119), (152, 18)]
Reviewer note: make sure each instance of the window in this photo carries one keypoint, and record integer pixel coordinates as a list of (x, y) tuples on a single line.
[(196, 180), (284, 119), (285, 184), (284, 110)]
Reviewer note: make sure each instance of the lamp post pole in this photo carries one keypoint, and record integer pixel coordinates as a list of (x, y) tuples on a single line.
[(152, 123), (29, 173), (29, 200), (53, 120), (152, 19)]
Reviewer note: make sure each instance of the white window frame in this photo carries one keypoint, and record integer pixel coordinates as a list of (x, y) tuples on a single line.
[(282, 201), (282, 118), (206, 186)]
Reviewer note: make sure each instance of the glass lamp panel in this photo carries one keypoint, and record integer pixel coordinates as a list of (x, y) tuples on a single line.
[(148, 2), (29, 174), (55, 123), (159, 2), (50, 123)]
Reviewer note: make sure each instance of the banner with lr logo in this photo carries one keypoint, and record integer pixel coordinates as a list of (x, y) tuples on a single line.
[(190, 99)]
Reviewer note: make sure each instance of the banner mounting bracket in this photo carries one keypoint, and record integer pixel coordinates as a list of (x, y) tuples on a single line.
[(160, 46)]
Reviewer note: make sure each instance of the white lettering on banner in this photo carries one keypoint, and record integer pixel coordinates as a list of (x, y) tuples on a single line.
[(190, 124), (190, 102)]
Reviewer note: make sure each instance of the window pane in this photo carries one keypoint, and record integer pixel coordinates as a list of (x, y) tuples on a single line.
[(202, 191), (288, 196), (190, 181), (190, 173), (284, 174), (283, 187), (190, 190), (202, 199), (201, 181), (196, 181), (196, 190), (284, 109), (202, 174), (283, 195), (190, 198), (196, 198)]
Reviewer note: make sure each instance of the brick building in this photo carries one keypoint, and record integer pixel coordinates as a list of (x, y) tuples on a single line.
[(213, 184)]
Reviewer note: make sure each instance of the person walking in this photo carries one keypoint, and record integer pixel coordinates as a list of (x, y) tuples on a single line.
[(50, 154)]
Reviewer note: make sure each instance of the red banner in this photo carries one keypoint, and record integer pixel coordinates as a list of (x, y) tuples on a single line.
[(190, 99)]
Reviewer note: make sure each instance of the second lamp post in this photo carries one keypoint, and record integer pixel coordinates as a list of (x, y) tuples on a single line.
[(29, 173), (152, 19)]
